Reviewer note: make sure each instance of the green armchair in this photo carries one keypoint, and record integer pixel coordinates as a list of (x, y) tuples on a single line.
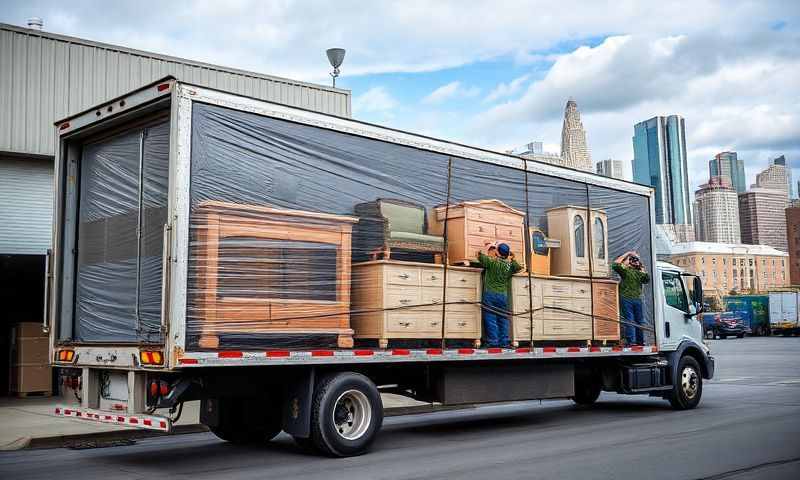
[(387, 224)]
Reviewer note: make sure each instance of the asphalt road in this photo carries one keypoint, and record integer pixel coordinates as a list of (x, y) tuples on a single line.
[(747, 427)]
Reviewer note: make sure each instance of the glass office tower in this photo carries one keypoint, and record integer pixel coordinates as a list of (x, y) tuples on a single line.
[(659, 151), (727, 164)]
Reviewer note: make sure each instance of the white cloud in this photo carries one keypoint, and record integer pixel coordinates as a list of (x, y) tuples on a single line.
[(504, 90), (289, 38), (376, 99), (450, 91)]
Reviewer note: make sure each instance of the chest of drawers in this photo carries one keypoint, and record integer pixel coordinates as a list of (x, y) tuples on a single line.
[(471, 225), (563, 309), (403, 300)]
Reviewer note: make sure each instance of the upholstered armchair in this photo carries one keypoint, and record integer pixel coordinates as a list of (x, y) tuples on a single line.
[(386, 224)]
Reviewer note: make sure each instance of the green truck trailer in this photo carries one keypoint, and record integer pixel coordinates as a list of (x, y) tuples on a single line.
[(753, 310)]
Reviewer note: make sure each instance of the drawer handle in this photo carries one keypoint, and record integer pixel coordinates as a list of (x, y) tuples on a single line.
[(525, 287), (403, 276), (435, 300), (405, 301), (405, 324), (480, 229), (433, 277), (433, 324), (463, 280), (462, 324)]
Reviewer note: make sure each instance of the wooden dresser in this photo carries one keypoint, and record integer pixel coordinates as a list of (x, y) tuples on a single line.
[(570, 225), (470, 225), (402, 300), (563, 309), (263, 270)]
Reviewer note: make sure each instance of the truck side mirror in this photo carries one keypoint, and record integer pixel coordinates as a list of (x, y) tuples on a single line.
[(697, 294)]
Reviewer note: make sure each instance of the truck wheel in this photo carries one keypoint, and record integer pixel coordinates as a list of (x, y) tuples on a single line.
[(236, 426), (687, 388), (347, 414), (587, 390)]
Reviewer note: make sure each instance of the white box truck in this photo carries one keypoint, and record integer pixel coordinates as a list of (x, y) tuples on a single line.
[(783, 312), (145, 184)]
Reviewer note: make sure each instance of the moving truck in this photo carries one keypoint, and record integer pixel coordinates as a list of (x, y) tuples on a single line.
[(783, 312), (285, 267)]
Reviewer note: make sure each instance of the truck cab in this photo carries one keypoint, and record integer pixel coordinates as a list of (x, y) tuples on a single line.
[(679, 295)]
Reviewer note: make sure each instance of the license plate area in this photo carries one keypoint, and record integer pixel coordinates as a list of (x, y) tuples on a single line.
[(112, 390)]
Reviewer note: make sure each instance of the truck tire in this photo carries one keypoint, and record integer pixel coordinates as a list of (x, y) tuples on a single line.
[(346, 414), (687, 388), (587, 389), (236, 426)]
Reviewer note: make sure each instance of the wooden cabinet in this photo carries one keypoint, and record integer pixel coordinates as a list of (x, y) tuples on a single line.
[(570, 225), (605, 309), (403, 300), (261, 270), (470, 225), (599, 234)]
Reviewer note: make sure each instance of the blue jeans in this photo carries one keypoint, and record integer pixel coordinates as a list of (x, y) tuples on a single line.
[(632, 314), (495, 323)]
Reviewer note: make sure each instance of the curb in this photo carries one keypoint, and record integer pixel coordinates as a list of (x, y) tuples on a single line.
[(99, 439)]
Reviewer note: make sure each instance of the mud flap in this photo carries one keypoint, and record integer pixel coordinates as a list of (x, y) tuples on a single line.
[(297, 408)]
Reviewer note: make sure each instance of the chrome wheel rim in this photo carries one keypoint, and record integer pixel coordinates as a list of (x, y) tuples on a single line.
[(352, 415), (689, 382)]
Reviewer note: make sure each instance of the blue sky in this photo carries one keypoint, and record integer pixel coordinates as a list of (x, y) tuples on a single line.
[(496, 74)]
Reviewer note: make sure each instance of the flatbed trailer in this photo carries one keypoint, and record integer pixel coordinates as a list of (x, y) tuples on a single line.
[(127, 284)]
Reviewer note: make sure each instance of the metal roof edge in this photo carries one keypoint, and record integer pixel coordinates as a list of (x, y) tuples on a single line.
[(186, 61)]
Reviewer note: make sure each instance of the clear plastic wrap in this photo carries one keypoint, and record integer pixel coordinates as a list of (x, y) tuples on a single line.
[(123, 192), (304, 237)]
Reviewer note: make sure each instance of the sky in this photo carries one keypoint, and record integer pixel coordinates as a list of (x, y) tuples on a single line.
[(497, 74)]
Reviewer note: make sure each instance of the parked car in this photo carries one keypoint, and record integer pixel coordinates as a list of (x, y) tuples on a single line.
[(724, 324)]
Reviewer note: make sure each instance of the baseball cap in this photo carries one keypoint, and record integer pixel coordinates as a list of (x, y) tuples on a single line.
[(503, 249)]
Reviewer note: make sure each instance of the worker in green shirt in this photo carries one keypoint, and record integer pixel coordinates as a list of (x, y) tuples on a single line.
[(632, 276), (498, 266)]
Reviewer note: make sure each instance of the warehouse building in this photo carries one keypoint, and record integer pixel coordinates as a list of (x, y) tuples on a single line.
[(45, 77)]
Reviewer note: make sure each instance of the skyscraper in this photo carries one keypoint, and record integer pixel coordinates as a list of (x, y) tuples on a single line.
[(762, 217), (535, 151), (610, 168), (782, 161), (727, 164), (659, 150), (716, 212), (774, 177), (574, 150)]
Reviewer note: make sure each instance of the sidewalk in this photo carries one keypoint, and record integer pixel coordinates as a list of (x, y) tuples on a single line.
[(29, 422)]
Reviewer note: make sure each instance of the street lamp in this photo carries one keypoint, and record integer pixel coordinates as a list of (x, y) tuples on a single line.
[(336, 57)]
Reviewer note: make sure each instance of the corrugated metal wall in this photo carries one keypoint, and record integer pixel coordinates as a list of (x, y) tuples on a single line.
[(26, 205), (45, 77)]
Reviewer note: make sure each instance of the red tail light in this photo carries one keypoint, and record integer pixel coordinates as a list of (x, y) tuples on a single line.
[(163, 87)]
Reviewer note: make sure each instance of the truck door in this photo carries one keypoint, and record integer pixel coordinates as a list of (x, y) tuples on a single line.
[(676, 308)]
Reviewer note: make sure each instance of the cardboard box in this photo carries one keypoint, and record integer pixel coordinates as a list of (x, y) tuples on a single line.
[(28, 329), (31, 378), (30, 350)]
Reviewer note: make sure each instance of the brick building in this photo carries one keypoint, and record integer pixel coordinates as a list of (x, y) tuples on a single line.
[(726, 267)]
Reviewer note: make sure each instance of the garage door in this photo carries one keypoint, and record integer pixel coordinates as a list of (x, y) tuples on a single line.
[(26, 205)]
